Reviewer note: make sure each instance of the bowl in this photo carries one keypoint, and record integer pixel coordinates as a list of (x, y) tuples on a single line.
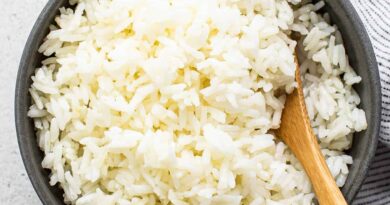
[(358, 48)]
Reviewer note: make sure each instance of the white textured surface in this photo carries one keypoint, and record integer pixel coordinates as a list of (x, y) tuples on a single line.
[(16, 21)]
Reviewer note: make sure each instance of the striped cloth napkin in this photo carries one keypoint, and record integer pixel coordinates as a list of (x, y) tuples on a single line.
[(375, 15)]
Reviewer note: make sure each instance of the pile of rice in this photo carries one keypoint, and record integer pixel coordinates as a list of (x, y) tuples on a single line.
[(173, 101)]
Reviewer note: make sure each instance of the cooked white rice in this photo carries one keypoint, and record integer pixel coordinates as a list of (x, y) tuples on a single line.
[(172, 101)]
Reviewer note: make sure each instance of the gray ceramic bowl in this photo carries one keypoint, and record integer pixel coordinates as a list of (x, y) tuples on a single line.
[(358, 48)]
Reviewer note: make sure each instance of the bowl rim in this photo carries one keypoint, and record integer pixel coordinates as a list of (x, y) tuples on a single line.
[(376, 103), (45, 196), (30, 46)]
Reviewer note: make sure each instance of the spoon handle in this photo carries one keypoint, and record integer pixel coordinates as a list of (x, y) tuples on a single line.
[(296, 132)]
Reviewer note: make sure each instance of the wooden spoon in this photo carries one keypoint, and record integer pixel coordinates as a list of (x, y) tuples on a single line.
[(295, 130)]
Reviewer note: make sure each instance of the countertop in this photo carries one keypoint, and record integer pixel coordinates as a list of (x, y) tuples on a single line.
[(16, 21)]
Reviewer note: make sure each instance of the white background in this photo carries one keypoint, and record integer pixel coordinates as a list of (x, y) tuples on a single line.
[(16, 20)]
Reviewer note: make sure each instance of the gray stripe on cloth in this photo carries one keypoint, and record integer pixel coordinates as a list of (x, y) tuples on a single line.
[(376, 188), (375, 15)]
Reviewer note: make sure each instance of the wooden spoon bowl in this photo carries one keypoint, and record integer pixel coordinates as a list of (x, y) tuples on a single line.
[(295, 130)]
